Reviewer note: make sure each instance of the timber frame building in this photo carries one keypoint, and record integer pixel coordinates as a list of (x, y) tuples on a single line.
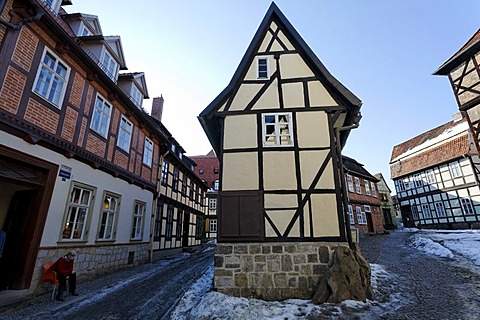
[(277, 131), (435, 177), (79, 157)]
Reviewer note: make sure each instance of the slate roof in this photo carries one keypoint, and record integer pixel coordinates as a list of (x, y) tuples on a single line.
[(355, 168), (432, 152)]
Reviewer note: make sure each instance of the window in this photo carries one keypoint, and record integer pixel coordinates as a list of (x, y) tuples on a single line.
[(52, 77), (199, 228), (440, 210), (361, 217), (216, 185), (101, 116), (212, 204), (215, 171), (78, 209), (350, 183), (374, 190), (169, 226), (213, 225), (124, 134), (431, 176), (109, 65), (164, 172), (200, 171), (357, 185), (137, 96), (158, 222), (350, 214), (191, 190), (467, 206), (138, 216), (367, 188), (418, 180), (178, 233), (400, 185), (108, 217), (455, 169), (262, 68), (53, 4), (184, 185), (415, 212), (276, 129), (426, 211), (148, 152), (175, 179)]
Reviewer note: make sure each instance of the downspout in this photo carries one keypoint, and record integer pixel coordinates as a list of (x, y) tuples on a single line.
[(342, 182), (16, 26)]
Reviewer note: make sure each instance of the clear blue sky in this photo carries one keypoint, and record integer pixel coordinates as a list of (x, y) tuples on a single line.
[(384, 51)]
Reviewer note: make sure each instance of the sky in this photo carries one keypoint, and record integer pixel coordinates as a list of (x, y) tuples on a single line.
[(201, 303), (383, 51)]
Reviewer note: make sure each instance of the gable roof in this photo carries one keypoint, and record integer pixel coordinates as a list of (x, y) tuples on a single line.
[(467, 50), (439, 145), (212, 124), (139, 79), (381, 178), (355, 168)]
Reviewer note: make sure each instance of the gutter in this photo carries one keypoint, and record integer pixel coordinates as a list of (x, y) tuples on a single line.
[(17, 26)]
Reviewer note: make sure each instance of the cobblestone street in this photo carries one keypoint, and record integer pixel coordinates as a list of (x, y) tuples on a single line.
[(431, 287)]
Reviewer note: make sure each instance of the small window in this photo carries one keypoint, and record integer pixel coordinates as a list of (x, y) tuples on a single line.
[(124, 134), (175, 179), (216, 185), (467, 206), (277, 129), (455, 169), (184, 185), (426, 211), (357, 185), (158, 222), (136, 96), (213, 225), (361, 216), (374, 190), (367, 188), (200, 171), (431, 176), (350, 183), (108, 217), (101, 116), (418, 180), (109, 65), (199, 228), (440, 210), (148, 152), (350, 215), (215, 171), (164, 172), (85, 32), (169, 225), (51, 80), (54, 5), (138, 218), (415, 212), (212, 204), (178, 233), (262, 68)]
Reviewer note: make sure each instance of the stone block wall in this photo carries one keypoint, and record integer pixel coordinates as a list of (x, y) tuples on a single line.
[(91, 261), (271, 271)]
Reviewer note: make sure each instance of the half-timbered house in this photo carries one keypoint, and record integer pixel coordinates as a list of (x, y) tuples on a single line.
[(278, 129), (386, 204), (208, 169), (363, 198), (435, 180)]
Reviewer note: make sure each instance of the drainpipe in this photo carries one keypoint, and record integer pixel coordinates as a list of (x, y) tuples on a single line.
[(16, 26), (342, 179)]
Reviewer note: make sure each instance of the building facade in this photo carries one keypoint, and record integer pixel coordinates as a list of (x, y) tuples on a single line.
[(364, 210), (386, 203), (278, 129), (435, 180), (208, 169)]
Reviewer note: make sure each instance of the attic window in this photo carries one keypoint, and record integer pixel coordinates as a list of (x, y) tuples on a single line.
[(54, 5), (85, 32), (262, 68), (136, 96), (109, 66)]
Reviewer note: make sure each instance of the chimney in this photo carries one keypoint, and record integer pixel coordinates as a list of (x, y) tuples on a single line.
[(157, 108)]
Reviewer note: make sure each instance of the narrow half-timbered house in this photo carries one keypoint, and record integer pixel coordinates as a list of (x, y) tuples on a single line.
[(386, 204), (435, 180), (278, 129), (79, 158)]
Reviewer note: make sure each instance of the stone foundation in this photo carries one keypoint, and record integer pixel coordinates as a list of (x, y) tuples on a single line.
[(272, 271)]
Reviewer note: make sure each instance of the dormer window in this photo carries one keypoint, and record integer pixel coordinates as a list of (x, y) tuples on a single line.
[(54, 5), (262, 68), (173, 148), (137, 96), (109, 65), (85, 32)]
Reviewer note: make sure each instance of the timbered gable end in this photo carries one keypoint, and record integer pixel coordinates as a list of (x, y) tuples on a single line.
[(276, 146)]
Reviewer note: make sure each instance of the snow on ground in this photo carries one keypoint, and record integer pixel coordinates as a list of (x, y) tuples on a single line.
[(202, 303)]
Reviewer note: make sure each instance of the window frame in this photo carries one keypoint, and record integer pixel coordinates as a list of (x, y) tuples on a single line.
[(374, 189), (361, 216), (165, 166), (53, 77), (103, 123), (138, 220), (358, 186), (136, 95), (467, 206), (277, 132), (427, 213), (71, 205), (198, 227), (176, 175), (179, 225), (350, 183), (350, 214), (440, 210), (213, 225), (216, 185), (212, 204), (148, 149), (110, 215), (124, 137), (367, 187), (455, 169), (169, 224), (109, 64), (259, 65), (431, 176)]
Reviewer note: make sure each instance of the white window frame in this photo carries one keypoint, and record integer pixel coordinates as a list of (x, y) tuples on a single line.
[(277, 130), (77, 216), (361, 217), (107, 225), (350, 214), (431, 176), (216, 185), (367, 187), (374, 190), (110, 66), (358, 187), (148, 152), (440, 210), (139, 209), (213, 225), (102, 112), (455, 169), (125, 132), (212, 204), (137, 96), (164, 171), (467, 206), (50, 84), (427, 214), (259, 65), (350, 183), (54, 5)]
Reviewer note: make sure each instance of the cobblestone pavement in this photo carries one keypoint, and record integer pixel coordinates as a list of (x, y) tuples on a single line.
[(429, 287)]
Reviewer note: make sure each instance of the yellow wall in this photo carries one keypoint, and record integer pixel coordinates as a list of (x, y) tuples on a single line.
[(293, 66), (325, 219), (240, 132), (240, 171), (312, 129), (279, 171), (319, 96)]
